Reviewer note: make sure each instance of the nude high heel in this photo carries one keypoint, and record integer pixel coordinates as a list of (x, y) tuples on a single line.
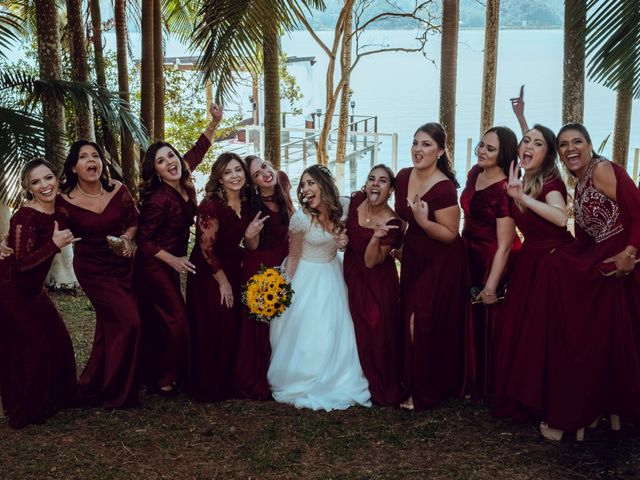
[(615, 422), (556, 435)]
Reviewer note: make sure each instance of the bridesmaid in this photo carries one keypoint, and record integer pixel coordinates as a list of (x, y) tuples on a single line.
[(93, 206), (489, 236), (254, 351), (593, 359), (38, 374), (541, 216), (168, 208), (374, 289), (213, 292), (432, 278)]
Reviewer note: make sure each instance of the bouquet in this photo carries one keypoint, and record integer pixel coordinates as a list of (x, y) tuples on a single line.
[(267, 294)]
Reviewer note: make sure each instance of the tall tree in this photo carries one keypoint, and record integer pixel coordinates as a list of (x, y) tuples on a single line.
[(575, 15), (271, 55), (129, 171), (49, 62), (79, 67), (345, 72), (448, 70), (490, 67), (158, 72), (147, 82)]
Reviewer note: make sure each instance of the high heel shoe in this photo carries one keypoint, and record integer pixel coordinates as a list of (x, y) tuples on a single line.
[(615, 422), (555, 435)]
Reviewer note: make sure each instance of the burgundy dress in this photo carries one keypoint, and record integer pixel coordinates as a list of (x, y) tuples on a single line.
[(593, 357), (521, 339), (110, 375), (37, 366), (214, 328), (433, 288), (374, 301), (482, 208), (164, 223), (254, 350)]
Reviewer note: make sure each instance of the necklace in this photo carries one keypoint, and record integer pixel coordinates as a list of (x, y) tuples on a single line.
[(88, 195), (268, 198), (368, 219)]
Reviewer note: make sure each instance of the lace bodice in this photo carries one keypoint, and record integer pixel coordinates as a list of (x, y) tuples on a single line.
[(595, 213), (318, 246)]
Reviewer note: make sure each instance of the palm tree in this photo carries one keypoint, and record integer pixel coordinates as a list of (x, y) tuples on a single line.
[(158, 73), (343, 119), (448, 70), (147, 66), (79, 67), (575, 15), (612, 37), (231, 34), (490, 65)]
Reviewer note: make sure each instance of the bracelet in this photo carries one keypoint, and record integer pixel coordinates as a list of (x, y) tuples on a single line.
[(489, 294), (630, 255)]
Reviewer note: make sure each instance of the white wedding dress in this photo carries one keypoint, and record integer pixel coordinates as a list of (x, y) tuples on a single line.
[(314, 359)]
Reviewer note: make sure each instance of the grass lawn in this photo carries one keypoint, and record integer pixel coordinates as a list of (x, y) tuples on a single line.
[(179, 439)]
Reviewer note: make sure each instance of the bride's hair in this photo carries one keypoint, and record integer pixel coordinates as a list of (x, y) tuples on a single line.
[(329, 194)]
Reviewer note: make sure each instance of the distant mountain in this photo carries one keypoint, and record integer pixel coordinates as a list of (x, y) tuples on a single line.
[(513, 13)]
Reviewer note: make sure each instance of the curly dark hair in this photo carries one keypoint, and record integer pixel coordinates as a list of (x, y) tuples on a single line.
[(70, 178), (584, 132), (329, 195), (508, 148), (150, 180), (439, 135), (214, 188), (281, 194)]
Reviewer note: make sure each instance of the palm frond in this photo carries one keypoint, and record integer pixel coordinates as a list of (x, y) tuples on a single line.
[(179, 17), (10, 31), (613, 43)]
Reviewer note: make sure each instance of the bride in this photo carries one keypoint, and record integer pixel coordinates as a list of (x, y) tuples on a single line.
[(314, 359)]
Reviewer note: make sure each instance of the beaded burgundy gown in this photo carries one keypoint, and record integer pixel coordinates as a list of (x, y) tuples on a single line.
[(37, 365), (254, 349), (374, 301), (433, 289), (164, 223), (482, 208), (214, 328), (521, 338), (593, 352), (110, 376)]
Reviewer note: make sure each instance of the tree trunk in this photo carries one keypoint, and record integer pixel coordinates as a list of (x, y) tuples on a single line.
[(158, 73), (146, 67), (101, 78), (343, 119), (79, 68), (448, 71), (271, 55), (573, 70), (129, 170), (490, 65), (48, 35), (5, 217), (622, 127)]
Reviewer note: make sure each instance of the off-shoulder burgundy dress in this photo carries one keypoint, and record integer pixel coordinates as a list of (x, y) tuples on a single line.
[(110, 375), (374, 301), (593, 355), (165, 219), (254, 350), (37, 366), (482, 208), (433, 289), (521, 338), (214, 328)]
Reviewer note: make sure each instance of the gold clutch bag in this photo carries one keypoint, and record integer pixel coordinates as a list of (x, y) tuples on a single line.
[(117, 245)]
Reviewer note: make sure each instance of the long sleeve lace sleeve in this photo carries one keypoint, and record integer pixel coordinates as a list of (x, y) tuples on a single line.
[(298, 227), (31, 241), (207, 227), (196, 154)]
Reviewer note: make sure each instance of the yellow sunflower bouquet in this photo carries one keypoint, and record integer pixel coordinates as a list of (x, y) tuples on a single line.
[(267, 294)]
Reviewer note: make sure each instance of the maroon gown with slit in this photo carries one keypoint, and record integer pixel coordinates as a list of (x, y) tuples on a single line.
[(254, 350), (593, 354), (37, 365), (433, 289), (214, 328), (520, 338), (165, 219), (482, 208), (374, 302), (110, 376)]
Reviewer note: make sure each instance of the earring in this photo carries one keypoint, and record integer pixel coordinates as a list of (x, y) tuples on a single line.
[(438, 158)]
